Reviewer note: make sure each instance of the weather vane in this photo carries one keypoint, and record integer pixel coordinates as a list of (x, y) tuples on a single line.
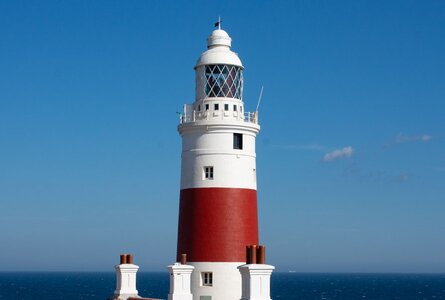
[(218, 24)]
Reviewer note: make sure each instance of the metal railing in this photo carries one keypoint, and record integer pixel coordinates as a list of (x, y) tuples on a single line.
[(196, 116)]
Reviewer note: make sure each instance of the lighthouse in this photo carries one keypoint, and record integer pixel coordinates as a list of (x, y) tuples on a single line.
[(218, 193), (218, 255)]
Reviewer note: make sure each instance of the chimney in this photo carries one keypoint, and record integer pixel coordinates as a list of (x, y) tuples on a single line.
[(126, 278), (123, 259), (129, 259), (255, 274), (261, 255), (180, 280)]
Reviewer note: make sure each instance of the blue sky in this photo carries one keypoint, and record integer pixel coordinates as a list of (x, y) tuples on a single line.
[(350, 159)]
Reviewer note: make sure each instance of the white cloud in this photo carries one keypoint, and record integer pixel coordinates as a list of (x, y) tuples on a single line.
[(403, 138), (315, 147), (339, 153), (402, 177)]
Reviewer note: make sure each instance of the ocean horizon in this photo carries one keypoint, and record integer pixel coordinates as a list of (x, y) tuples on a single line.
[(284, 285)]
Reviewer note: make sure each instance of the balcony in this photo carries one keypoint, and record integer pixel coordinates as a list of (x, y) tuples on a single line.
[(198, 116)]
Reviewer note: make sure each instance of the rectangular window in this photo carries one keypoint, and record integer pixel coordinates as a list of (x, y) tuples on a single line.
[(241, 109), (199, 107), (207, 107), (216, 106), (208, 173), (234, 108), (226, 107), (237, 141), (207, 278)]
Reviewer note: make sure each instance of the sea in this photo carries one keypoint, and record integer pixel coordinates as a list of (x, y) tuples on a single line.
[(75, 286)]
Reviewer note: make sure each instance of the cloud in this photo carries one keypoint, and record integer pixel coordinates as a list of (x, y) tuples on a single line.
[(403, 138), (302, 147), (338, 153), (364, 175), (314, 147), (353, 170), (402, 177)]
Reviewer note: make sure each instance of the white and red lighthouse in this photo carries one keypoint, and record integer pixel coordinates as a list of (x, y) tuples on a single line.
[(218, 200)]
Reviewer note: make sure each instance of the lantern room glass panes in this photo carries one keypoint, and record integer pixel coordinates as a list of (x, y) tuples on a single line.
[(222, 81)]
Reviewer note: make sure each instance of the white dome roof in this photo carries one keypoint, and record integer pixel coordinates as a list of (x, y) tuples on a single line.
[(219, 38), (218, 44)]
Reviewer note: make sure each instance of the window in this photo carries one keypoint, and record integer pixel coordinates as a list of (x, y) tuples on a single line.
[(237, 141), (199, 107), (241, 109), (234, 108), (216, 106), (207, 107), (207, 278), (208, 173), (226, 107), (223, 81)]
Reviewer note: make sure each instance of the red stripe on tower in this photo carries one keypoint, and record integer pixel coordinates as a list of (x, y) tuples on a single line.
[(216, 224)]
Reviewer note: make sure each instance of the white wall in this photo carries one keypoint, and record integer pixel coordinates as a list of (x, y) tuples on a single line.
[(212, 145), (226, 280)]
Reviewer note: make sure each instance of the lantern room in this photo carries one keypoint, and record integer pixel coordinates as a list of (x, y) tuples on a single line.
[(219, 71)]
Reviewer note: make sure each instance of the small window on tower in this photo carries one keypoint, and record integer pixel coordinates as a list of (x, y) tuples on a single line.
[(226, 107), (207, 107), (207, 278), (234, 108), (216, 106), (208, 173), (199, 107), (237, 141)]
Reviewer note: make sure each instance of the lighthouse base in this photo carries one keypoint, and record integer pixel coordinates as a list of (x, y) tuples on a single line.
[(225, 283)]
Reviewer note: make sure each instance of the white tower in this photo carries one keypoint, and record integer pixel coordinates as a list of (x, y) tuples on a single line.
[(218, 202)]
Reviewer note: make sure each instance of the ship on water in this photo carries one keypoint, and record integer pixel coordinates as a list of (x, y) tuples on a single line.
[(219, 256)]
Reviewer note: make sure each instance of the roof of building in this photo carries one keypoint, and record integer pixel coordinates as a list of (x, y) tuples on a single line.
[(218, 44)]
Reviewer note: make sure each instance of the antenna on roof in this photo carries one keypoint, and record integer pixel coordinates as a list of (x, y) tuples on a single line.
[(218, 24), (259, 99)]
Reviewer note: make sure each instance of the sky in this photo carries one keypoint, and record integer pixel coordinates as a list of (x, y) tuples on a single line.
[(350, 157)]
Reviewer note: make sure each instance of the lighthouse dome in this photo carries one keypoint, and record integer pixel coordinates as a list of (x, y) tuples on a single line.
[(218, 44), (219, 71), (219, 37)]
